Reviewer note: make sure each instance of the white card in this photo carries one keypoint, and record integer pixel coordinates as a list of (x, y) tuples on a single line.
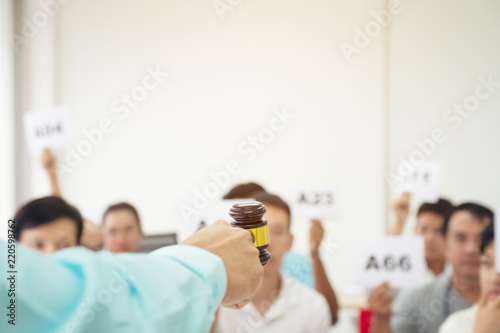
[(314, 201), (422, 182), (50, 128), (397, 260), (497, 238)]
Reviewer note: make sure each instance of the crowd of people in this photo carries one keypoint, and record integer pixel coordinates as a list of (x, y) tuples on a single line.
[(231, 292)]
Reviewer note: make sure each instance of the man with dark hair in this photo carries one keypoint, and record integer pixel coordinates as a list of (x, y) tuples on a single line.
[(424, 309), (484, 317), (442, 207), (484, 213), (430, 221), (48, 224), (243, 191), (309, 271), (281, 304)]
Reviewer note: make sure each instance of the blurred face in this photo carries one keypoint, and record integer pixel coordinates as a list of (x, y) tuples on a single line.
[(463, 242), (280, 238), (50, 237), (488, 276), (121, 231), (429, 226)]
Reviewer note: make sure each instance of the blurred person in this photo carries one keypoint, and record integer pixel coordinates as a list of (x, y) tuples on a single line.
[(175, 289), (430, 220), (48, 224), (280, 304), (121, 227), (309, 271), (425, 309), (243, 191), (91, 235), (484, 317), (461, 229)]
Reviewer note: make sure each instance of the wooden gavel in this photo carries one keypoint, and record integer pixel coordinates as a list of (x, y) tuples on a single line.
[(249, 215)]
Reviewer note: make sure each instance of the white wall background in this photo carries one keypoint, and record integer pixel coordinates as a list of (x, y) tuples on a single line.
[(225, 79), (352, 121), (437, 53)]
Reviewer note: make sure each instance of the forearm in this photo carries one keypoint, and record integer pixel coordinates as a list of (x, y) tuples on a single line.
[(55, 190), (397, 227), (324, 287), (98, 291)]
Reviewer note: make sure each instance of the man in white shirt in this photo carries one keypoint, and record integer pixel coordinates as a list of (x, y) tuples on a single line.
[(483, 317), (280, 304)]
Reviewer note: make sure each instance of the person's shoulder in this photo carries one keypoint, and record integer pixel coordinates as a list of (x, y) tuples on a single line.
[(308, 304), (296, 256), (435, 286), (464, 315), (462, 321), (300, 295), (423, 293)]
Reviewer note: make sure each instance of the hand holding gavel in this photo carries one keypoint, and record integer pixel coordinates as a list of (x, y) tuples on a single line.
[(249, 215)]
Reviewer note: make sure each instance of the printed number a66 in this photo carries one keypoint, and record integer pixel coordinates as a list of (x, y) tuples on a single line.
[(389, 263)]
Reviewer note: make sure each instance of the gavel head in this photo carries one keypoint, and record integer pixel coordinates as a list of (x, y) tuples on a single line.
[(249, 215)]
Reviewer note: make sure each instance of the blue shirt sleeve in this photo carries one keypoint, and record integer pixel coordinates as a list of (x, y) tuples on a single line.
[(173, 289)]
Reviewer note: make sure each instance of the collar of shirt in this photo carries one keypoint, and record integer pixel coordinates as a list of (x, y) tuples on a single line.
[(287, 299)]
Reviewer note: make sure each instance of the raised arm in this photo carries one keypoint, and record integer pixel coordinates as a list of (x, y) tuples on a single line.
[(49, 163), (401, 208), (321, 281)]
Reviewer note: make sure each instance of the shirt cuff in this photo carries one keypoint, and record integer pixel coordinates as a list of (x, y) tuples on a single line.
[(206, 264)]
